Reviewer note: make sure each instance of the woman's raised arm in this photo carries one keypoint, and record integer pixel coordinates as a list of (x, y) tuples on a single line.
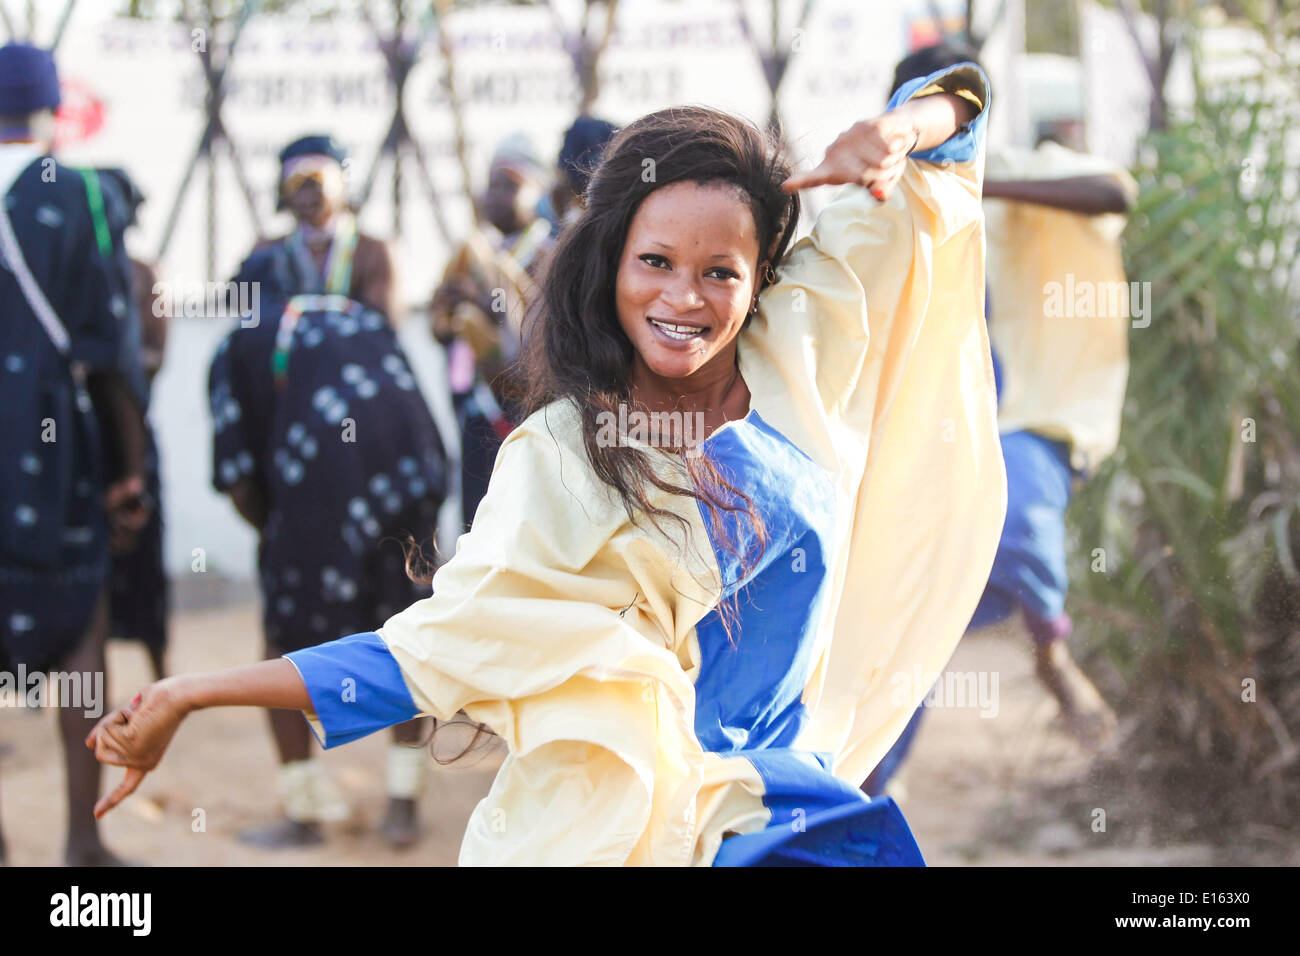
[(870, 260), (871, 153)]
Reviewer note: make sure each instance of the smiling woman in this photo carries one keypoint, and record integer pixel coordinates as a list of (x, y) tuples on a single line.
[(689, 656), (684, 219)]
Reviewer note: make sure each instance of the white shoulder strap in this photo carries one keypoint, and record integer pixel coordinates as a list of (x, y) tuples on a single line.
[(31, 289)]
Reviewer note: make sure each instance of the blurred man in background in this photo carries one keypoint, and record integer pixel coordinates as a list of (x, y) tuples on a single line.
[(73, 445), (325, 251), (477, 311), (1053, 223), (326, 446), (1059, 320)]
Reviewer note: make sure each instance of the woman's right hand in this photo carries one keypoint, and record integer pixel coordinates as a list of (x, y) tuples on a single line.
[(136, 737), (870, 153)]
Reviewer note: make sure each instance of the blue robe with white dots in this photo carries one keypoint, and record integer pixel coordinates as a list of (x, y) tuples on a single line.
[(53, 531), (345, 454)]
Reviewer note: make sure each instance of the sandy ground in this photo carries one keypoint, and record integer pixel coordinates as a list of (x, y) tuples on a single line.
[(967, 788)]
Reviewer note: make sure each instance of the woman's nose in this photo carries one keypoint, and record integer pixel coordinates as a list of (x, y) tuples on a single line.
[(682, 295)]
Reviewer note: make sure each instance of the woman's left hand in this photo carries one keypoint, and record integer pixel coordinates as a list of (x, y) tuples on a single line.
[(869, 153)]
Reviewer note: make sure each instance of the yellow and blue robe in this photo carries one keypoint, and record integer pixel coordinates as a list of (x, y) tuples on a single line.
[(1059, 325), (1061, 306), (638, 731)]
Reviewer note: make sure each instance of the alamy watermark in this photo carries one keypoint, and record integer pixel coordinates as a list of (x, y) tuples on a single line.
[(75, 689), (1084, 299), (973, 689), (133, 911), (676, 430), (209, 300)]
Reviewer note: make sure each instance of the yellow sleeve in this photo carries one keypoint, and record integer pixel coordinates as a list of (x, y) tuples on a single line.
[(930, 506), (861, 268), (557, 623), (874, 337)]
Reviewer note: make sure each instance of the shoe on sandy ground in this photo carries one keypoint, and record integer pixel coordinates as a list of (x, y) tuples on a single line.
[(400, 826), (98, 855), (283, 834)]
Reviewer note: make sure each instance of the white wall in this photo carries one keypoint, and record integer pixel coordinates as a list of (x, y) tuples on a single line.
[(292, 78)]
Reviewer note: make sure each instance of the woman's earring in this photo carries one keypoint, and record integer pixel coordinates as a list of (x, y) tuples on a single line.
[(753, 306)]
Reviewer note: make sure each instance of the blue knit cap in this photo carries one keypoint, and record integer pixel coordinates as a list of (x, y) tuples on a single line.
[(314, 146), (319, 145), (28, 79), (584, 142)]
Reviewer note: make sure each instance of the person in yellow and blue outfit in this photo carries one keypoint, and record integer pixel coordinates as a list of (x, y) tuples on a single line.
[(691, 648), (1054, 220), (1054, 216)]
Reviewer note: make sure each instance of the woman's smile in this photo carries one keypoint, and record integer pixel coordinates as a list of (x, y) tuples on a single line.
[(677, 332)]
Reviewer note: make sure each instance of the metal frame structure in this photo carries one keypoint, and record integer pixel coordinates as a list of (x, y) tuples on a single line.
[(585, 45)]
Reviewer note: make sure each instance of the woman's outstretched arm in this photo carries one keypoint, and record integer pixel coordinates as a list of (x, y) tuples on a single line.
[(875, 328), (275, 684), (136, 736)]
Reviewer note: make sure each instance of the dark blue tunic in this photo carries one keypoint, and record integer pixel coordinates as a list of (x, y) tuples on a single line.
[(138, 589), (345, 453), (53, 531)]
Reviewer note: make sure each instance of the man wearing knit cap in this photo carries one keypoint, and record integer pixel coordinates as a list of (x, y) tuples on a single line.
[(478, 310), (72, 448), (325, 252), (281, 461)]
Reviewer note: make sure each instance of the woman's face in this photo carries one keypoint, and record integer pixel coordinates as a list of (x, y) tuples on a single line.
[(686, 278)]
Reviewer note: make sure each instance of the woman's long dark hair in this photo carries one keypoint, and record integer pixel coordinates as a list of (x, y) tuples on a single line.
[(575, 348)]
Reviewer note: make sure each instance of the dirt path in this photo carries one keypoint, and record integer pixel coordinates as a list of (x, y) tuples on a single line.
[(966, 785), (968, 789)]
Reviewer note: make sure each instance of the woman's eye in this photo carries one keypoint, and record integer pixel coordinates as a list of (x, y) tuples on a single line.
[(723, 274), (654, 261)]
